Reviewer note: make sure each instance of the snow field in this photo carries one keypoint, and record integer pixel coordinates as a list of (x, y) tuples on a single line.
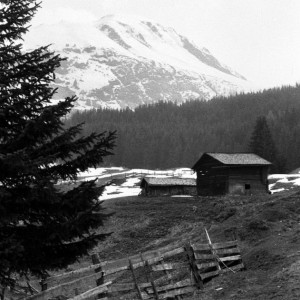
[(284, 182), (132, 179)]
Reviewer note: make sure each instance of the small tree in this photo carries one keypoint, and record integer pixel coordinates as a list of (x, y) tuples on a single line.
[(42, 226), (262, 143)]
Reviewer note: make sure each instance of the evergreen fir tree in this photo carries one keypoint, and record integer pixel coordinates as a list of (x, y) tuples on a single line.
[(42, 226), (262, 142)]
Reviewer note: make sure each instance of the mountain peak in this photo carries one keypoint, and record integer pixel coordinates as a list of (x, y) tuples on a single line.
[(153, 40), (124, 60)]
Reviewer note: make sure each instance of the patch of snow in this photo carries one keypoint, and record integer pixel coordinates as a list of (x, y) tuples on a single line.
[(281, 176), (283, 180), (114, 191), (182, 196), (271, 186), (278, 190), (99, 172), (296, 181), (160, 176), (131, 182)]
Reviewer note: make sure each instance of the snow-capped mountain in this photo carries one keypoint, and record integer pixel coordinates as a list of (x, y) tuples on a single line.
[(121, 61)]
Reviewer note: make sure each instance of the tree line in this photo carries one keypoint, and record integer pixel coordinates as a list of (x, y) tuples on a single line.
[(165, 135)]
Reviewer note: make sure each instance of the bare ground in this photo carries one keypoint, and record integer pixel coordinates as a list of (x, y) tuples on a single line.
[(267, 227)]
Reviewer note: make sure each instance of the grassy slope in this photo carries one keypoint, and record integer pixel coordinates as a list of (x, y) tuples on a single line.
[(267, 227)]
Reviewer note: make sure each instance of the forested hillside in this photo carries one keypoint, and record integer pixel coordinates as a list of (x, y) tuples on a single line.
[(165, 135)]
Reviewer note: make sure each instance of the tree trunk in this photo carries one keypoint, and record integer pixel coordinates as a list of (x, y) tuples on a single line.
[(2, 295)]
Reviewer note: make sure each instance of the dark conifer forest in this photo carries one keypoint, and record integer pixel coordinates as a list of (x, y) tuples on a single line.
[(165, 135)]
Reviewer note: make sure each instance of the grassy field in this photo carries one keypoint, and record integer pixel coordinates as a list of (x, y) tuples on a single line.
[(267, 227)]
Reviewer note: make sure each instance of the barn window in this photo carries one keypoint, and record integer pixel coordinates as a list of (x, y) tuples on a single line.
[(247, 186)]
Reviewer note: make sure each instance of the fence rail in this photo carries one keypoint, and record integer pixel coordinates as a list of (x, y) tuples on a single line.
[(171, 271)]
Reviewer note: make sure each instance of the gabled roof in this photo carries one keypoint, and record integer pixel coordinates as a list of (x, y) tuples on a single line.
[(249, 159), (169, 181)]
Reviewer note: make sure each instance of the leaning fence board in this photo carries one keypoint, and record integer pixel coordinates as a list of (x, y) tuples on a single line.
[(233, 268), (74, 274), (162, 252), (111, 267), (207, 265), (109, 270), (66, 288), (180, 284), (170, 294), (186, 290), (215, 273), (209, 274), (224, 244), (62, 289), (204, 256), (171, 280), (123, 287), (227, 251), (163, 279), (146, 296), (127, 267), (92, 292), (199, 247), (120, 265), (168, 266), (172, 252), (229, 258)]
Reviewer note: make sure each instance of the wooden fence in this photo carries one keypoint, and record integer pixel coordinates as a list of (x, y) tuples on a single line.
[(170, 272)]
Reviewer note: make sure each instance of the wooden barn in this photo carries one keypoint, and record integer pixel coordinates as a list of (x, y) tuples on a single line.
[(166, 186), (231, 173)]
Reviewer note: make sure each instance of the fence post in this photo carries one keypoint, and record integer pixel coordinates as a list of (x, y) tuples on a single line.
[(100, 280), (43, 283), (149, 276), (135, 280), (2, 295), (191, 257)]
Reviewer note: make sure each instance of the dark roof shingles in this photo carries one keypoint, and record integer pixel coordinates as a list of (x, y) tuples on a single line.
[(239, 158)]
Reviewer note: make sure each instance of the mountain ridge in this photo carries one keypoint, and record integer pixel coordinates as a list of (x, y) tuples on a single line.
[(120, 62)]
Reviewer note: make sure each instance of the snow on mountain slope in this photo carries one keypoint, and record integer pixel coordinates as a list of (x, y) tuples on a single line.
[(153, 41), (121, 61)]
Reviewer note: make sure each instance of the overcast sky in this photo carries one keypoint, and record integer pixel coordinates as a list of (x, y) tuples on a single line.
[(260, 39)]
